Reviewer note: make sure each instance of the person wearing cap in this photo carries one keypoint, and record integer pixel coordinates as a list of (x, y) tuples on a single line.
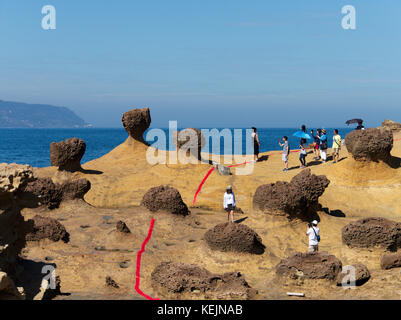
[(314, 237), (229, 203)]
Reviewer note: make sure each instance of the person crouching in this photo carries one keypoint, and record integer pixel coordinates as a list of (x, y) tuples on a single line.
[(229, 203)]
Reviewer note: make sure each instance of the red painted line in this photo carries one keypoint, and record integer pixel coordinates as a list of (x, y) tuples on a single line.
[(201, 184), (138, 263)]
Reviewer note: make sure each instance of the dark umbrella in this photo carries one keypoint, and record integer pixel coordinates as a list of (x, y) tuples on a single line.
[(353, 121)]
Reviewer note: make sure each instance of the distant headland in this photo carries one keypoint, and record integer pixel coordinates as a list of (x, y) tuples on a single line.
[(24, 115)]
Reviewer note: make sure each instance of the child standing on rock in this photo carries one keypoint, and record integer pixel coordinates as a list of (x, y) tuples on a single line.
[(229, 203)]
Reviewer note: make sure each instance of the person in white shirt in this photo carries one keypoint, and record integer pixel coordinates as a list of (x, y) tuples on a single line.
[(229, 203), (314, 237)]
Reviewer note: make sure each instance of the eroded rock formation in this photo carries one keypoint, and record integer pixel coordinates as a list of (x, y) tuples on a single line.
[(391, 260), (316, 265), (295, 199), (122, 227), (47, 228), (190, 140), (392, 125), (164, 198), (360, 271), (373, 232), (234, 237), (179, 278), (136, 122), (67, 155), (373, 144)]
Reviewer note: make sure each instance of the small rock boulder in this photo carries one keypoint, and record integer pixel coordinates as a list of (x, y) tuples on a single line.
[(164, 198), (67, 155), (295, 199), (316, 265), (111, 283), (391, 260), (373, 144), (47, 228), (360, 271), (234, 237), (373, 232), (40, 192), (75, 189), (136, 122), (180, 278), (392, 125), (190, 140), (122, 227)]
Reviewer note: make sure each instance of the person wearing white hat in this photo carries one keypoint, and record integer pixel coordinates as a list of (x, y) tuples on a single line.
[(229, 203), (314, 237)]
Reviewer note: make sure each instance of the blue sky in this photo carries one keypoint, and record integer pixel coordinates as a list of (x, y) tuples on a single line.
[(209, 63)]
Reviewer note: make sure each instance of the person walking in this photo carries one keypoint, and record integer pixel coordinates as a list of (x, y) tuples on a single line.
[(336, 146), (316, 143), (229, 203), (256, 144), (314, 236), (323, 146), (286, 152), (303, 153)]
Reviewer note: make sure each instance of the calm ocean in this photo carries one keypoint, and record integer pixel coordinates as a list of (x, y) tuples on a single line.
[(32, 146)]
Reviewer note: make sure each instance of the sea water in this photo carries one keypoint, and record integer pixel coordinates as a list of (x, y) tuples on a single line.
[(32, 146)]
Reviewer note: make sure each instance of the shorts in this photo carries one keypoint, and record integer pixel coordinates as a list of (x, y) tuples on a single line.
[(313, 248), (316, 147), (229, 208), (336, 151), (285, 157)]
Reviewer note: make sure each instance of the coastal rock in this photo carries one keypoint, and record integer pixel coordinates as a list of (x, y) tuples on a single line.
[(190, 140), (111, 283), (40, 192), (362, 275), (13, 176), (180, 278), (392, 125), (47, 228), (295, 199), (8, 290), (122, 227), (234, 237), (316, 265), (391, 260), (373, 232), (373, 144), (136, 122), (75, 189), (67, 155), (164, 198)]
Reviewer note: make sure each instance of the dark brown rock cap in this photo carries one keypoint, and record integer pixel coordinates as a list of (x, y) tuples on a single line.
[(47, 228), (165, 198), (296, 199), (67, 155), (180, 278), (373, 144), (373, 232), (234, 237), (136, 122), (316, 265)]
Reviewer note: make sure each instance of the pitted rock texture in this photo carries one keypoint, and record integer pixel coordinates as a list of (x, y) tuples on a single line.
[(136, 122), (360, 271), (190, 140), (47, 228), (392, 125), (316, 265), (296, 199), (391, 260), (164, 198), (234, 237), (67, 155), (373, 144), (181, 279), (373, 232)]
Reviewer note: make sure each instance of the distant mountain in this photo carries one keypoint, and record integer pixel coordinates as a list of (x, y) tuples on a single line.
[(23, 115)]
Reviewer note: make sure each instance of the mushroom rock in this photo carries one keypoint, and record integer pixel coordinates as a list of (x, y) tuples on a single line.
[(12, 225), (164, 198), (234, 237), (373, 144), (298, 198), (392, 125), (136, 122), (373, 232), (67, 155), (179, 278), (190, 140), (391, 260), (47, 228), (360, 271), (316, 265)]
